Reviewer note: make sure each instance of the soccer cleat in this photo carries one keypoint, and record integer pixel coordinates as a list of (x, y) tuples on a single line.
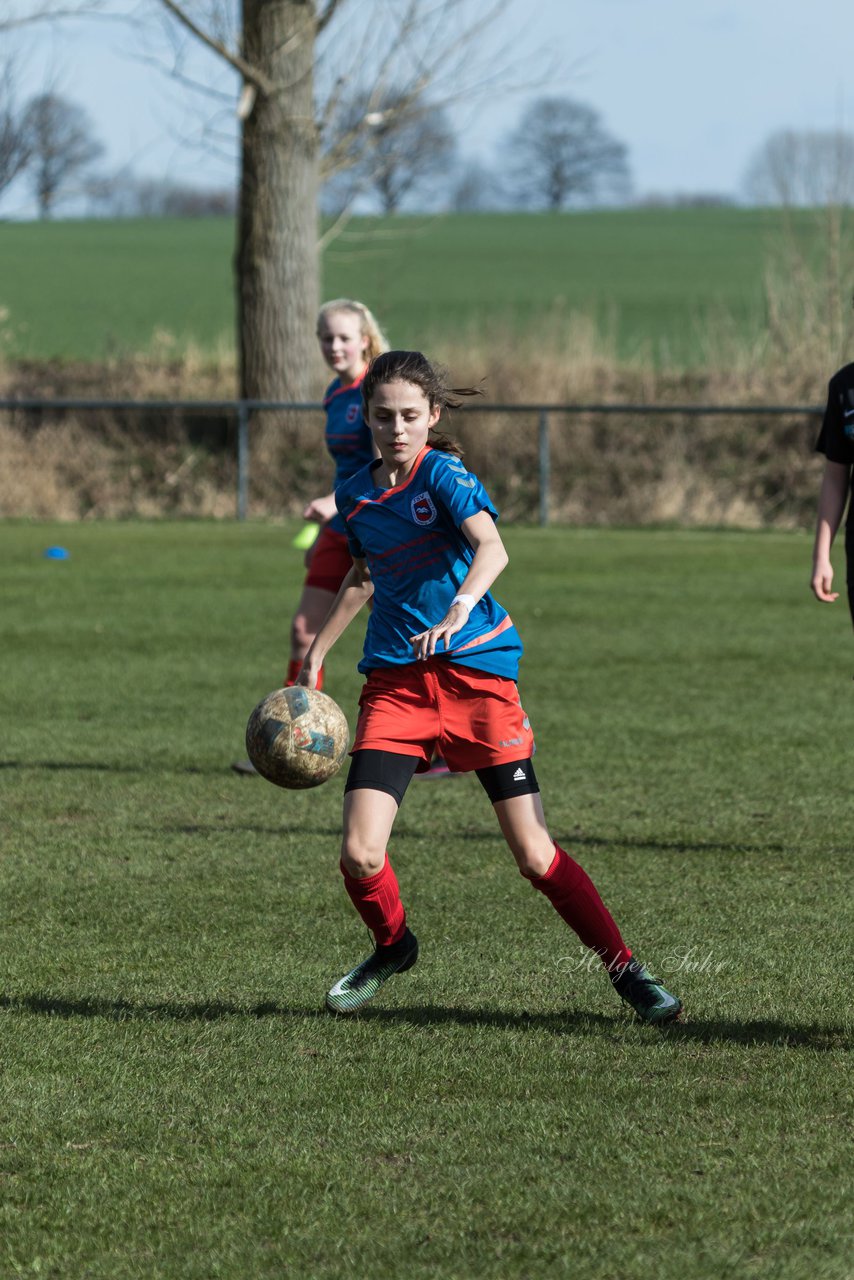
[(650, 1000), (438, 769), (245, 767), (361, 984)]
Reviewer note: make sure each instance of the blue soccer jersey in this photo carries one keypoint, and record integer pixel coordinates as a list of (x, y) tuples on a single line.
[(418, 556), (348, 436)]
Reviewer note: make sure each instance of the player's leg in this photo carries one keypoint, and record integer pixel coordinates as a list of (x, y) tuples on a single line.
[(550, 869), (438, 768), (375, 788), (518, 806), (314, 604), (328, 563), (312, 608)]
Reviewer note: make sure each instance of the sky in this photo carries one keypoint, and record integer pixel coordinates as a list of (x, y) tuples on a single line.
[(692, 87)]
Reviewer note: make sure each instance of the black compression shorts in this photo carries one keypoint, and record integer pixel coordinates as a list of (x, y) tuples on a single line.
[(389, 772)]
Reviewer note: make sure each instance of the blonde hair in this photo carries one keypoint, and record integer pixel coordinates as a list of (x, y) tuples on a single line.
[(377, 342)]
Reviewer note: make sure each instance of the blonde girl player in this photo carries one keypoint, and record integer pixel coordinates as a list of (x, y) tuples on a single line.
[(349, 337), (441, 658), (836, 442)]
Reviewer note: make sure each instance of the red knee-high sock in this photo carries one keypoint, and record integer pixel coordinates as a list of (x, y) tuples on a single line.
[(573, 895), (377, 900), (294, 668)]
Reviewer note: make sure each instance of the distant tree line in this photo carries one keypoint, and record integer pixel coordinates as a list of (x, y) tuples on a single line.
[(559, 156), (51, 143)]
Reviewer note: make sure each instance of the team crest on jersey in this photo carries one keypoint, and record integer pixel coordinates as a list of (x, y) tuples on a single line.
[(353, 412), (423, 510)]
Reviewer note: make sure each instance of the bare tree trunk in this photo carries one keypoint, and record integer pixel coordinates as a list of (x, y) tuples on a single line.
[(276, 251)]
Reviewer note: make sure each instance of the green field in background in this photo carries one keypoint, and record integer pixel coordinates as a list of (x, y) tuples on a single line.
[(90, 289), (173, 1100)]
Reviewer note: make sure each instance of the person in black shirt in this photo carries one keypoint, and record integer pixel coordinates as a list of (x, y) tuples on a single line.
[(836, 442)]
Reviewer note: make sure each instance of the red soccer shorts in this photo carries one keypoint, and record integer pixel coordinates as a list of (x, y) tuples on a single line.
[(472, 718), (330, 561)]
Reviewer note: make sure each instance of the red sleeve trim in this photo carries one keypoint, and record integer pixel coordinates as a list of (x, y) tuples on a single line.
[(395, 488)]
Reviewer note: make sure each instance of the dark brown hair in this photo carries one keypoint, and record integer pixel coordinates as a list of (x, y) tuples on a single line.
[(432, 381)]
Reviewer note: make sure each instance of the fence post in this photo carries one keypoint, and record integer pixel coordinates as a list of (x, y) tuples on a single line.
[(242, 459), (545, 467)]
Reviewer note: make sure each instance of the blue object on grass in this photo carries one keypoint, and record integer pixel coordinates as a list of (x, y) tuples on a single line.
[(57, 553)]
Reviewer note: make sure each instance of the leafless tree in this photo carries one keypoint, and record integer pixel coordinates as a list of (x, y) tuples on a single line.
[(297, 61), (16, 134), (62, 146), (14, 142), (476, 189), (810, 167), (561, 152), (408, 145)]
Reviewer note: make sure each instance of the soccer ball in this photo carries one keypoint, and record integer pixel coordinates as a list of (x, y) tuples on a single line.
[(297, 737)]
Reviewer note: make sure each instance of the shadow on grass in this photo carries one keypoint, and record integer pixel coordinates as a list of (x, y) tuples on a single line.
[(567, 1022), (166, 1010), (402, 832), (239, 828), (99, 766), (758, 1032), (668, 846)]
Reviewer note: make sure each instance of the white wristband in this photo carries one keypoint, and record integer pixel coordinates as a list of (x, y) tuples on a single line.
[(468, 601)]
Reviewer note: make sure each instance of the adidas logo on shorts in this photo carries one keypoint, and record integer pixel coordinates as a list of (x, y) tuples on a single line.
[(519, 775)]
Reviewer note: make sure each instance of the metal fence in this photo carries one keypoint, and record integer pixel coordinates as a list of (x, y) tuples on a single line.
[(241, 411)]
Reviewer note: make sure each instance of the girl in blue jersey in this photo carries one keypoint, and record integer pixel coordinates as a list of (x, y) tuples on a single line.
[(349, 338), (441, 658)]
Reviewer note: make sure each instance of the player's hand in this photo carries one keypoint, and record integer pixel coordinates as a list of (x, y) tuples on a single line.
[(822, 582), (308, 674), (424, 644), (320, 509)]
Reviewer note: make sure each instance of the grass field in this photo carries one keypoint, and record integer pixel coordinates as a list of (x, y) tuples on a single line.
[(654, 275), (173, 1102)]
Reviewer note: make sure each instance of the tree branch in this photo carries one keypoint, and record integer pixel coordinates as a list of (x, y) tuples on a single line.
[(328, 14), (249, 72), (336, 228), (52, 12)]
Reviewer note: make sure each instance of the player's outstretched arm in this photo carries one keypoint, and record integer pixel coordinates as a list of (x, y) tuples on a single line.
[(355, 592), (490, 558), (320, 509), (831, 505)]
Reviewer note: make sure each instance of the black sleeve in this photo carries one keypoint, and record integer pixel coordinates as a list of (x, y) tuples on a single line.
[(836, 438)]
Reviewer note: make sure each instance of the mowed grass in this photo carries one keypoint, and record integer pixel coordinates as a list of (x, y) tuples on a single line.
[(652, 277), (173, 1100)]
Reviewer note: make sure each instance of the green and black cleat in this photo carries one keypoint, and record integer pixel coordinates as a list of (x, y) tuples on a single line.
[(652, 1002), (361, 984)]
